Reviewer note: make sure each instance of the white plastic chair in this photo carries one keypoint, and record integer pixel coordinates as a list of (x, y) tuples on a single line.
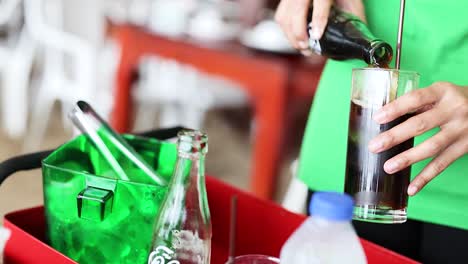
[(16, 60), (181, 93), (56, 83)]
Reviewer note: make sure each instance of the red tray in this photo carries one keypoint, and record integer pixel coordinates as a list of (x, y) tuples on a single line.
[(262, 228)]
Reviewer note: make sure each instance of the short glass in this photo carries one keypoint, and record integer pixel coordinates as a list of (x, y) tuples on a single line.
[(254, 259), (379, 197)]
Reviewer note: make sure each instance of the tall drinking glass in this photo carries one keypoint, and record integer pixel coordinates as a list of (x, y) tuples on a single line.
[(379, 197)]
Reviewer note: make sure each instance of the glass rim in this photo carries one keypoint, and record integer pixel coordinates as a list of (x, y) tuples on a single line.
[(260, 256), (408, 72)]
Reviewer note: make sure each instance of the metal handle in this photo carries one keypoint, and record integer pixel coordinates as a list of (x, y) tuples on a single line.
[(33, 160)]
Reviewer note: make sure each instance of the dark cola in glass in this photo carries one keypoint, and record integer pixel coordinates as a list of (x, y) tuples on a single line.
[(379, 197)]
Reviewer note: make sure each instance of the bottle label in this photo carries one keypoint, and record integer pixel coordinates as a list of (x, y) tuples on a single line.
[(314, 44), (188, 246), (187, 240), (162, 254)]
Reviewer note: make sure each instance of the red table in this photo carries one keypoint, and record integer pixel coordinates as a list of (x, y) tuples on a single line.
[(270, 80), (262, 228)]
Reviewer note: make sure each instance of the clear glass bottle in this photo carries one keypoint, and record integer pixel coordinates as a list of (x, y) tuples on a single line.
[(183, 228)]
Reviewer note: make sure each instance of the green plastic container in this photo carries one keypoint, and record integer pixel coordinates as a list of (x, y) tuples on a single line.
[(94, 218)]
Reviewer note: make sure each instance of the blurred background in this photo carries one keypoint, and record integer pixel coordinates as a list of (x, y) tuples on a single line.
[(220, 66)]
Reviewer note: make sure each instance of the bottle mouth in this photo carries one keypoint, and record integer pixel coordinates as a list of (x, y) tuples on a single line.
[(192, 141), (380, 54)]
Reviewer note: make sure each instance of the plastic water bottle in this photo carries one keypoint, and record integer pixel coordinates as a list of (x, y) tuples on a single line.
[(326, 237)]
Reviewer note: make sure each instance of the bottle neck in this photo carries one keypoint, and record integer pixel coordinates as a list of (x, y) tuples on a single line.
[(189, 166), (348, 37), (379, 54), (374, 51), (188, 183)]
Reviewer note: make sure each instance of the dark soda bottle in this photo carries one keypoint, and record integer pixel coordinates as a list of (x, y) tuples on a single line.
[(348, 37)]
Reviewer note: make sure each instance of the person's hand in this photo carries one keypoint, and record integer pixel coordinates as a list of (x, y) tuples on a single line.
[(443, 105), (291, 15)]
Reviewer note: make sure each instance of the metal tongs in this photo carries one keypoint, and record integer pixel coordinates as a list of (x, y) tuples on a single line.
[(90, 123)]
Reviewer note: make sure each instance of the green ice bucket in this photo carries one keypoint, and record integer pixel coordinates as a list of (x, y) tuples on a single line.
[(91, 216)]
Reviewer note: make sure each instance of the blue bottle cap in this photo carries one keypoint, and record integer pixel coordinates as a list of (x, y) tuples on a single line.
[(332, 206)]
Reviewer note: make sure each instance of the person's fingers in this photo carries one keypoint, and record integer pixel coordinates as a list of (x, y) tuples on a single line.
[(355, 7), (298, 24), (282, 18), (410, 128), (291, 16), (321, 10), (291, 38), (307, 52), (407, 103), (426, 149), (438, 165)]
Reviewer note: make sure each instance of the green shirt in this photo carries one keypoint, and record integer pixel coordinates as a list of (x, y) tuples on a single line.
[(435, 44)]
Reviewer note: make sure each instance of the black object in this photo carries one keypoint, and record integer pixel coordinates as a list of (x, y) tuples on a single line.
[(348, 37)]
